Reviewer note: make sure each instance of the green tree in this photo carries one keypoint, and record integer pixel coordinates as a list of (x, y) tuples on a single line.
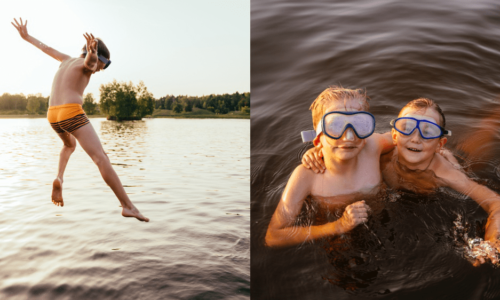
[(188, 106), (33, 104), (245, 109), (145, 100), (177, 107), (118, 99), (89, 105)]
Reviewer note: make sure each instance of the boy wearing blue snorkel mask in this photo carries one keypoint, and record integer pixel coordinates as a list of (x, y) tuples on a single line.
[(352, 158), (420, 164), (69, 121)]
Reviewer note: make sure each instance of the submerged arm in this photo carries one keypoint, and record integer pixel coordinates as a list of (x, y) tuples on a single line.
[(283, 232), (486, 198), (23, 32)]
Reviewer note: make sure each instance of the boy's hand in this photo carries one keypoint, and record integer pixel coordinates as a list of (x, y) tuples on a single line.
[(313, 159), (91, 43), (354, 215), (486, 250), (23, 31)]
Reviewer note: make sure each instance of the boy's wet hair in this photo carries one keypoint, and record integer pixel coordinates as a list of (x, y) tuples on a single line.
[(336, 93), (101, 49), (422, 103)]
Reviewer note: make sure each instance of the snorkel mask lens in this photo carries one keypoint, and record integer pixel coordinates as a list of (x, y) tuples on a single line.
[(427, 129), (335, 123)]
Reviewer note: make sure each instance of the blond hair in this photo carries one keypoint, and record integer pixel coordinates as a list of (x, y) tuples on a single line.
[(333, 94)]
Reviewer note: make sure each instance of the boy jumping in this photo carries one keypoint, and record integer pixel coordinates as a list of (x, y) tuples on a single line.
[(68, 119)]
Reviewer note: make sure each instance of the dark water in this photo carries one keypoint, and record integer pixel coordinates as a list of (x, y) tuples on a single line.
[(448, 51)]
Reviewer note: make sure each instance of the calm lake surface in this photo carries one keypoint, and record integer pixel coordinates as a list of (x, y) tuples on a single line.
[(448, 51), (189, 176)]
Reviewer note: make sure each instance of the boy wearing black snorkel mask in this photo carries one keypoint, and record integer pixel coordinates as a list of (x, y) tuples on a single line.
[(68, 119), (420, 164), (352, 157)]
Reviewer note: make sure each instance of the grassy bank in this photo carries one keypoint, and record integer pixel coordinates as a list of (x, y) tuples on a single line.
[(18, 114), (198, 113)]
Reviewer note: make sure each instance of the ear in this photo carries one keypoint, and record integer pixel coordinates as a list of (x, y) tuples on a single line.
[(442, 142), (394, 134), (317, 141)]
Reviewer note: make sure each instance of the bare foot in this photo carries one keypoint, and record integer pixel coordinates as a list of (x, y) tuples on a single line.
[(57, 198), (134, 212)]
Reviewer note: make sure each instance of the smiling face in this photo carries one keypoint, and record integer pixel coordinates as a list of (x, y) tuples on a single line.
[(349, 145), (414, 151)]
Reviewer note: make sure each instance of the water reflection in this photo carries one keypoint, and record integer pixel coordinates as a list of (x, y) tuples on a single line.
[(196, 194)]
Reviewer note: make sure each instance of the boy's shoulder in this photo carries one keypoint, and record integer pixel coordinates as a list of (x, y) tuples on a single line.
[(71, 62), (302, 177), (303, 173), (299, 184), (447, 170)]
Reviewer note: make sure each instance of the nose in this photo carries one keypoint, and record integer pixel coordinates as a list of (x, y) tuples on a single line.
[(348, 135), (415, 136)]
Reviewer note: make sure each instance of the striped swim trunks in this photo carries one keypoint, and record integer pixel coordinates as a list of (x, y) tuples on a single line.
[(67, 117)]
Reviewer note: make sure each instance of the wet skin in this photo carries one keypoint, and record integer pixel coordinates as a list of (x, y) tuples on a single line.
[(351, 166), (417, 153)]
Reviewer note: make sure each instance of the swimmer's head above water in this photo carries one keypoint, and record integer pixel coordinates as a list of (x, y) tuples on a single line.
[(102, 53), (419, 132), (341, 121)]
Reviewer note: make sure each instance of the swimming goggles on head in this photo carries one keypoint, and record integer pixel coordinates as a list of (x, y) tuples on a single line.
[(428, 130), (335, 123), (106, 61)]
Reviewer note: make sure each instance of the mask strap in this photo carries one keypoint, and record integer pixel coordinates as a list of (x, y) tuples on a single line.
[(310, 135)]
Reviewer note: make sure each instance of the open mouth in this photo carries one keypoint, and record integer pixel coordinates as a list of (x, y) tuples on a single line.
[(414, 149)]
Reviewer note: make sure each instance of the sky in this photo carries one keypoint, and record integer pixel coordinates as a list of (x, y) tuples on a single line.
[(191, 47)]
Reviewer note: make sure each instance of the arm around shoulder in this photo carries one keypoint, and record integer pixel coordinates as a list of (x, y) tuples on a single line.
[(384, 142)]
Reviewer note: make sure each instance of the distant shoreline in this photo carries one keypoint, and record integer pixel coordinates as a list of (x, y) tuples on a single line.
[(196, 113), (186, 116)]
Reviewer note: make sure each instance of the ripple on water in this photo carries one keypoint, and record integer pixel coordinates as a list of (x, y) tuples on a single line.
[(87, 250)]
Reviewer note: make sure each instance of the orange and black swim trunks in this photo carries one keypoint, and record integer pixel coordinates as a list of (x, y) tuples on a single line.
[(67, 117)]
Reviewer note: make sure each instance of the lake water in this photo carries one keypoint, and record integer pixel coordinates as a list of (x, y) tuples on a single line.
[(448, 51), (189, 176)]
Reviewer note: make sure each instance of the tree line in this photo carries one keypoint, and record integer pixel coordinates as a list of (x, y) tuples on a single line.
[(33, 103), (121, 101), (219, 104)]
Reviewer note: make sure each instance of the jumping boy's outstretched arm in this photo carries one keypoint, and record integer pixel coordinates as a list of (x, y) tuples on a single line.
[(23, 31), (283, 232)]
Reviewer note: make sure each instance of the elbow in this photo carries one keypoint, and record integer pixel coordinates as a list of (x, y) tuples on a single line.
[(270, 241), (88, 68)]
